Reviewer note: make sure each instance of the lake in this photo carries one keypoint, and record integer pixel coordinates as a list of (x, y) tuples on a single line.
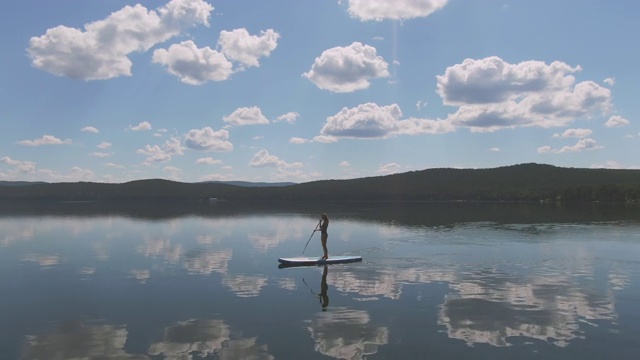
[(437, 280)]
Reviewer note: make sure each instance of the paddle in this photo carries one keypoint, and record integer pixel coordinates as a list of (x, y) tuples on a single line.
[(314, 231)]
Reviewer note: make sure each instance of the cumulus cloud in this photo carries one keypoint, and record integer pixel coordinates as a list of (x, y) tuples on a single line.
[(20, 166), (378, 10), (263, 159), (90, 129), (208, 161), (493, 94), (100, 154), (290, 117), (544, 149), (162, 153), (616, 121), (373, 121), (494, 149), (492, 80), (390, 168), (101, 49), (326, 139), (297, 140), (192, 65), (239, 45), (142, 126), (581, 145), (208, 140), (610, 81), (104, 145), (344, 164), (347, 69), (574, 133), (246, 116), (45, 140)]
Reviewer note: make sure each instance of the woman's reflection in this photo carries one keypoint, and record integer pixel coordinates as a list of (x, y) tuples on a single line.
[(323, 296)]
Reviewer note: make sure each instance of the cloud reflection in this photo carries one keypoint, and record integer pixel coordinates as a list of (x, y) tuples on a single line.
[(346, 334), (491, 307), (206, 338), (244, 285), (79, 341), (206, 262)]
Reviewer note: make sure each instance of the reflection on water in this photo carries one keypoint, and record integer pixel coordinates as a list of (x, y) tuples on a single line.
[(491, 307), (120, 285), (79, 341), (346, 334), (202, 338)]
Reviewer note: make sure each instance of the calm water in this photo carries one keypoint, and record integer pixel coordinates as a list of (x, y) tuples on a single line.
[(167, 281)]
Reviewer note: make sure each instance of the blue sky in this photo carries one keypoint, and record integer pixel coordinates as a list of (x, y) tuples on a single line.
[(284, 90)]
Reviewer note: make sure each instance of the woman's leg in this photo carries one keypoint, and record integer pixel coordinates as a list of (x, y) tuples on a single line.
[(323, 238)]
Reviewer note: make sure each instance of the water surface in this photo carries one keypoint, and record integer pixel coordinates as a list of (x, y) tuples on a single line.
[(451, 280)]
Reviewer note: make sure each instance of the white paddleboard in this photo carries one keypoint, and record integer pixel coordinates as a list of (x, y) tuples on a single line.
[(304, 260)]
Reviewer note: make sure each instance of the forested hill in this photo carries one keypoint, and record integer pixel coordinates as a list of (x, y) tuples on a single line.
[(525, 182)]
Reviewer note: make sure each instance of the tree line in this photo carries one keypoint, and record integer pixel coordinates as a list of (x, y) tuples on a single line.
[(524, 182)]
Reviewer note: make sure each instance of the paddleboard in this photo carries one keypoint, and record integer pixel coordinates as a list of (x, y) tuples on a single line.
[(304, 260)]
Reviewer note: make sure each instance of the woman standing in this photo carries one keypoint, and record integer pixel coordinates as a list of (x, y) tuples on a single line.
[(324, 225)]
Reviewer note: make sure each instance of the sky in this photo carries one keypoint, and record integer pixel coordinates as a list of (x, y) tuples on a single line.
[(297, 91)]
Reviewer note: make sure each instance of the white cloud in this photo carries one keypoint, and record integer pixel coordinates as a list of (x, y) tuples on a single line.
[(218, 177), (208, 161), (326, 139), (344, 164), (610, 81), (239, 45), (617, 121), (263, 159), (75, 174), (193, 65), (45, 140), (297, 140), (20, 166), (246, 116), (544, 149), (174, 172), (101, 50), (104, 145), (114, 165), (90, 129), (290, 117), (365, 121), (493, 94), (608, 165), (100, 154), (209, 140), (156, 153), (393, 9), (390, 168), (347, 69), (373, 121), (492, 80), (581, 145), (142, 126), (574, 133), (494, 149)]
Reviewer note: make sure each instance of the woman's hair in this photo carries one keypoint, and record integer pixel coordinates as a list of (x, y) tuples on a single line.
[(324, 217)]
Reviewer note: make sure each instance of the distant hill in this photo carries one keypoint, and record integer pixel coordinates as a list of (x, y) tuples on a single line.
[(20, 183), (250, 184), (524, 182)]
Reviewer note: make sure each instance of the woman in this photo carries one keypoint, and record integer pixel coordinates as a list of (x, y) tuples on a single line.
[(324, 224)]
